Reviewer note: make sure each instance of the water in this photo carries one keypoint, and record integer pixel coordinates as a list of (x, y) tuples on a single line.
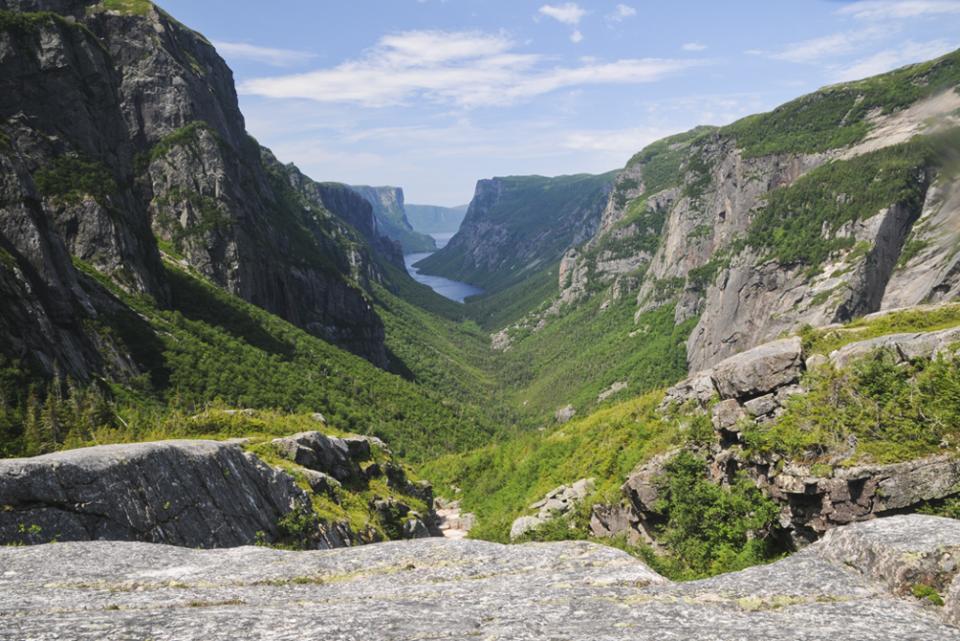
[(452, 289)]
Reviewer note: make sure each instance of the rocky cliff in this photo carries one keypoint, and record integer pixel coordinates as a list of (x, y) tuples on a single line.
[(517, 226), (391, 215), (120, 131), (835, 205), (858, 584)]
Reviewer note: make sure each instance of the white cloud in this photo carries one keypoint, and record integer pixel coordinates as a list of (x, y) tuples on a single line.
[(694, 46), (623, 142), (883, 61), (621, 13), (570, 13), (265, 55), (467, 69), (576, 37), (899, 9), (832, 45)]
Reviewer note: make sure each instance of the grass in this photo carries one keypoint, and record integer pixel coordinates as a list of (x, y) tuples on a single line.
[(824, 341), (499, 309), (873, 411), (500, 480), (838, 116), (578, 355), (126, 7)]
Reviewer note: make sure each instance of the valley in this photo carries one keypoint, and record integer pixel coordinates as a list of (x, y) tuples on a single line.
[(719, 383)]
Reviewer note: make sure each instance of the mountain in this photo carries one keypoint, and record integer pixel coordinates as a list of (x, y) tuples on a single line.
[(430, 219), (518, 226), (391, 216), (143, 150), (154, 258)]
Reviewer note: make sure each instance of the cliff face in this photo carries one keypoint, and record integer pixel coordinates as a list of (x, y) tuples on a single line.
[(119, 129), (517, 226), (789, 218), (391, 215), (431, 219)]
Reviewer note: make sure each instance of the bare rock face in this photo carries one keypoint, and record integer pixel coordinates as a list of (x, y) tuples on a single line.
[(142, 112), (191, 493), (760, 370), (854, 586)]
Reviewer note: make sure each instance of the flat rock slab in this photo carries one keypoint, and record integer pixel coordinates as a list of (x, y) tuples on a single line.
[(454, 590)]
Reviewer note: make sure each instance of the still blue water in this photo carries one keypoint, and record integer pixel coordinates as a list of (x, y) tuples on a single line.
[(452, 289)]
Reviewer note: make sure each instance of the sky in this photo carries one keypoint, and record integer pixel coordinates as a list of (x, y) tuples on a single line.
[(432, 95)]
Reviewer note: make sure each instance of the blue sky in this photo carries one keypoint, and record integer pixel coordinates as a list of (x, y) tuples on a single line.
[(432, 95)]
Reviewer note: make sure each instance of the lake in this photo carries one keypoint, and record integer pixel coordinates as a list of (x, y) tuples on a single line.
[(452, 289)]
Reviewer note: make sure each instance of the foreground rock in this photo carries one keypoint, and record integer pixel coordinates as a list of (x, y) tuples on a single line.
[(854, 585)]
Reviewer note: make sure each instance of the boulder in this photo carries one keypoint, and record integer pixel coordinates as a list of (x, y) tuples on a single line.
[(904, 347), (557, 503), (564, 414), (760, 370), (321, 453), (192, 493)]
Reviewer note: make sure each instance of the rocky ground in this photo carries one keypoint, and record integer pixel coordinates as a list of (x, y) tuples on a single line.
[(855, 584)]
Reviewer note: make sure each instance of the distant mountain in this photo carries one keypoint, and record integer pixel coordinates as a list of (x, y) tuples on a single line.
[(515, 226), (430, 219), (392, 220)]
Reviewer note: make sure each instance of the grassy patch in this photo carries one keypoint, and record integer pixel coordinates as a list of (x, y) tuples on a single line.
[(875, 410), (71, 179), (838, 115), (126, 7), (819, 341)]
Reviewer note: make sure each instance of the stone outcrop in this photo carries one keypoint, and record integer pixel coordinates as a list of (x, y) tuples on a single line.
[(191, 493), (855, 585), (754, 386), (207, 494), (556, 504)]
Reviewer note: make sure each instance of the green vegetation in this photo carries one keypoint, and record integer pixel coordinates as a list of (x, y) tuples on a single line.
[(711, 529), (924, 591), (913, 320), (28, 21), (578, 355), (211, 346), (500, 480), (876, 410), (126, 7), (791, 225), (707, 529), (187, 136), (70, 178), (662, 160), (499, 309), (839, 115)]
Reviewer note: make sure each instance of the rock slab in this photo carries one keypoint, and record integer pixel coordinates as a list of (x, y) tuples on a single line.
[(453, 590)]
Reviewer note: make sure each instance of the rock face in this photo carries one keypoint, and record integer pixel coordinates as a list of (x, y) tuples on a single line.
[(391, 216), (207, 494), (191, 493), (119, 128), (519, 225), (855, 585), (679, 228), (754, 386)]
